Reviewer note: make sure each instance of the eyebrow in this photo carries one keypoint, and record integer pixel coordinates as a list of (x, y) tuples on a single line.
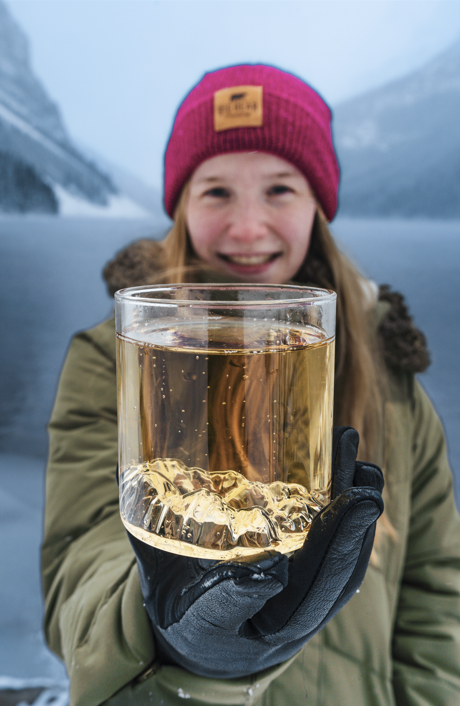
[(278, 175), (281, 175)]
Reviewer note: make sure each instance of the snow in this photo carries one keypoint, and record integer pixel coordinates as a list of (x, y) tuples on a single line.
[(27, 129), (15, 684), (183, 694), (119, 206), (52, 694)]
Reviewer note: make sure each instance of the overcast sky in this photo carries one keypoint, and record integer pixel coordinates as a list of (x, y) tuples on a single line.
[(119, 68)]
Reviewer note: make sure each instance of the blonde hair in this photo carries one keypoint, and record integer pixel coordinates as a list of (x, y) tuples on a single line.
[(359, 373)]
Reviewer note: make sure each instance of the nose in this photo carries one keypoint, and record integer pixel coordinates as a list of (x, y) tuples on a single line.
[(247, 220)]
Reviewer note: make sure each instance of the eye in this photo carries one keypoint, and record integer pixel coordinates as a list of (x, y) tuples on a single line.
[(218, 192), (278, 189)]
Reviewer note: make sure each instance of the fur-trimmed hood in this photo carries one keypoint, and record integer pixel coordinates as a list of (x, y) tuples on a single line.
[(134, 266), (403, 345)]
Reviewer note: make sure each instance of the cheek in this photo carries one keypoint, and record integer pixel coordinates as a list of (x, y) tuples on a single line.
[(302, 244), (203, 230), (297, 233)]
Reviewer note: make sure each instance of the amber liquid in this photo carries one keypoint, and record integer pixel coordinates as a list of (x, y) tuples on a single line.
[(225, 435)]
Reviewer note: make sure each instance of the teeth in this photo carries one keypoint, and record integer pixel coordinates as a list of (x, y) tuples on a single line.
[(249, 259)]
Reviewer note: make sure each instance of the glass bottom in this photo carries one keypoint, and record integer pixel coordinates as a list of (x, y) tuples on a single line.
[(175, 546), (218, 516)]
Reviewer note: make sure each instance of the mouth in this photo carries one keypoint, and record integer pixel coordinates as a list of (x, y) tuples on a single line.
[(250, 260)]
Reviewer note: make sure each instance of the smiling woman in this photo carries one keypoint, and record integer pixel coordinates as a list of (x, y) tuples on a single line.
[(251, 180), (250, 214)]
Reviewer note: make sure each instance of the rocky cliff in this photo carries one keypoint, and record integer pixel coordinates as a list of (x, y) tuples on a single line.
[(37, 156)]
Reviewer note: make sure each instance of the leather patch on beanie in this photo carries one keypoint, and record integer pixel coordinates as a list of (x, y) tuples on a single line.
[(238, 106)]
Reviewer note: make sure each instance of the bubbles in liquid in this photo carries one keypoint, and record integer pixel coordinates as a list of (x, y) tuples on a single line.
[(247, 403)]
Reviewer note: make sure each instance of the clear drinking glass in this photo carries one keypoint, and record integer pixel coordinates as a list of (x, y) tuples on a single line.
[(225, 402)]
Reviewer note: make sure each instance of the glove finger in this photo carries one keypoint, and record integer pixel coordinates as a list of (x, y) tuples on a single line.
[(270, 566), (337, 579), (360, 507), (231, 603), (368, 474), (206, 640), (171, 583), (345, 442)]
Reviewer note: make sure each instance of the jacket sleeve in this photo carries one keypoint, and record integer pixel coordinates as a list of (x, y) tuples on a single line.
[(95, 619), (426, 644)]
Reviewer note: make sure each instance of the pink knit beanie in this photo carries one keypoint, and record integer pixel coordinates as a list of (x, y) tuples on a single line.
[(253, 107)]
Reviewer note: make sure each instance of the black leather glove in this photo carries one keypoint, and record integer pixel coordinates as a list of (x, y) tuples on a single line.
[(230, 619)]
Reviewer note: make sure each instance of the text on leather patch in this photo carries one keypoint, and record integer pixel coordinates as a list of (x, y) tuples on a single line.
[(238, 106)]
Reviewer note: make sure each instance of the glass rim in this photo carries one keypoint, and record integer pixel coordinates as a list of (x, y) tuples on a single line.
[(134, 295)]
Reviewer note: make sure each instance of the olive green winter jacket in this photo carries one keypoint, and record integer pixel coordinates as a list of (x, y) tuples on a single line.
[(396, 642)]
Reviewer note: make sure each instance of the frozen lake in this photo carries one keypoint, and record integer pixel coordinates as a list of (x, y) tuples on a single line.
[(51, 286)]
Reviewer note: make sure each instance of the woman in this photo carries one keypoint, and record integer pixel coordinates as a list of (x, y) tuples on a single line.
[(251, 179)]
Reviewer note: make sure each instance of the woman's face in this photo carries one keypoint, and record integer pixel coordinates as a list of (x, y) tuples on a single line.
[(250, 214)]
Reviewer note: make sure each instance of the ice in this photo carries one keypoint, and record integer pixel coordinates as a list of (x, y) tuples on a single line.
[(218, 511)]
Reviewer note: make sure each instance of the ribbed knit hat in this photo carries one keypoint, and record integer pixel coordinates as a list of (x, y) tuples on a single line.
[(253, 107)]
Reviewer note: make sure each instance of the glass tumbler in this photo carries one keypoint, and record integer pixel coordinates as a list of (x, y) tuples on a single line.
[(225, 403)]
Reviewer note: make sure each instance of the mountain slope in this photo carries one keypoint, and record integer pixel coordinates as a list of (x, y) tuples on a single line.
[(145, 196), (32, 133), (399, 145)]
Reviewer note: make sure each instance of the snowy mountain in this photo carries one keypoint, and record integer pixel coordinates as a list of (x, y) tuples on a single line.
[(399, 145), (144, 195), (40, 168)]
